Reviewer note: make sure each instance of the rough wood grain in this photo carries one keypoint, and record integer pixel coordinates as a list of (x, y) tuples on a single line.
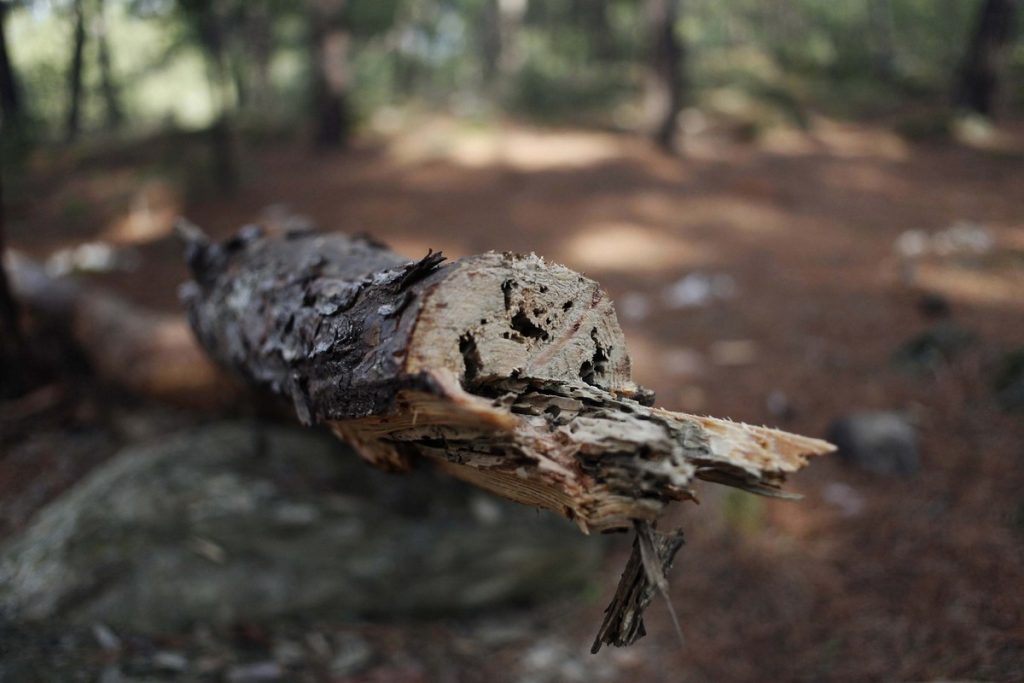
[(505, 370)]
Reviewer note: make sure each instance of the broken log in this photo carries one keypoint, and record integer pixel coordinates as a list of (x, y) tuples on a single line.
[(505, 370)]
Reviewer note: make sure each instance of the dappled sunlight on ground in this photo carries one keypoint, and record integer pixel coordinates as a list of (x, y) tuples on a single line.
[(522, 149), (630, 247), (852, 141), (155, 208), (710, 214), (872, 179)]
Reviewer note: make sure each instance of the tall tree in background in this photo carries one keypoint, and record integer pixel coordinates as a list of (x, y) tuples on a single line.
[(664, 91), (13, 350), (252, 61), (594, 17), (502, 56), (10, 99), (204, 17), (108, 83), (330, 42), (978, 85), (490, 40), (75, 69), (882, 36)]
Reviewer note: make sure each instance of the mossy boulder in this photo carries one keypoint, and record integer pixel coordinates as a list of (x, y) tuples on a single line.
[(232, 522)]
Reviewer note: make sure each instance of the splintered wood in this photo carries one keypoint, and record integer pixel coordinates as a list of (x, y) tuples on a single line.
[(504, 370)]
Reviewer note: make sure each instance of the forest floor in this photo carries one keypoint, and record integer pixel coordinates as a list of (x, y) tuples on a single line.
[(773, 283)]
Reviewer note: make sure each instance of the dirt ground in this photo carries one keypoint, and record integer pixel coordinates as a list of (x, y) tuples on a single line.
[(761, 282)]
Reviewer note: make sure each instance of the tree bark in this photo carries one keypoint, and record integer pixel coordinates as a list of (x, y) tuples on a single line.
[(10, 92), (75, 72), (330, 42), (504, 370), (664, 97), (978, 86)]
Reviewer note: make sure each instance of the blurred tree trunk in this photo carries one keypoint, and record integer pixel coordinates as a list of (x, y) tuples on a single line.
[(490, 41), (405, 68), (210, 32), (75, 72), (13, 350), (330, 44), (239, 77), (10, 100), (108, 84), (222, 147), (501, 55), (882, 31), (258, 50), (664, 97), (978, 85), (593, 17)]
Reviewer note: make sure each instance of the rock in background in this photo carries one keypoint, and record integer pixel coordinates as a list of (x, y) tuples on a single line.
[(234, 522), (1009, 383), (878, 442)]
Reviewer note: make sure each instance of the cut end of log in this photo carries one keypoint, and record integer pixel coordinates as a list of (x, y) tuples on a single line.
[(499, 316)]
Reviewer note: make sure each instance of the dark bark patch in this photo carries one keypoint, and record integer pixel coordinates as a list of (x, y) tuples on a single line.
[(470, 356), (506, 291)]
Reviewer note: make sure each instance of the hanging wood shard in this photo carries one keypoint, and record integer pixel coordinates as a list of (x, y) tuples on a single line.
[(505, 370)]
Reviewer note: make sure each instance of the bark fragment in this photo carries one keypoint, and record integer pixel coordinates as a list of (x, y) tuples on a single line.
[(623, 622)]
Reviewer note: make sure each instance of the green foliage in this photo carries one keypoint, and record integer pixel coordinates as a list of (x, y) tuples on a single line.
[(554, 83), (368, 18), (164, 73), (563, 59)]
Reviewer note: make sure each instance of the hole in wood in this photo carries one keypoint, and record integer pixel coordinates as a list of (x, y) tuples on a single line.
[(522, 324)]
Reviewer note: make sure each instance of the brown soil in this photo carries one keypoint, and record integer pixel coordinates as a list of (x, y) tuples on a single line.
[(867, 578)]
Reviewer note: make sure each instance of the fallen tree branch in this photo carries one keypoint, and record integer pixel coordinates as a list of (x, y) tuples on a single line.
[(150, 354), (506, 371)]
